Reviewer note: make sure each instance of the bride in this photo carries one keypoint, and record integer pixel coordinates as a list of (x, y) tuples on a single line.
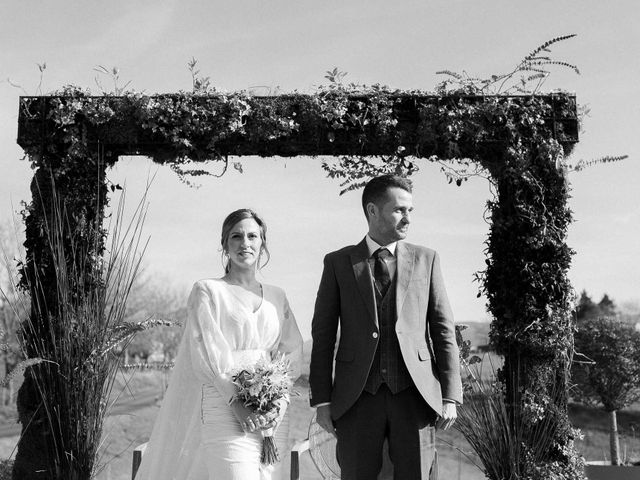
[(232, 322)]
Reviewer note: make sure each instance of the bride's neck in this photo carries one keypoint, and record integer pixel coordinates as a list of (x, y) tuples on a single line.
[(244, 278)]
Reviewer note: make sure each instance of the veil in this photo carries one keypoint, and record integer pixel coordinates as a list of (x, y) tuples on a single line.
[(173, 449)]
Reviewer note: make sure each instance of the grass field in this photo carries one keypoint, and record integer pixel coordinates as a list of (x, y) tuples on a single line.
[(122, 433)]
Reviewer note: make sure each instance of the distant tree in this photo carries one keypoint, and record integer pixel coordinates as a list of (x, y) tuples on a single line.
[(10, 354), (586, 307), (156, 297), (167, 339), (611, 376), (607, 307), (140, 347)]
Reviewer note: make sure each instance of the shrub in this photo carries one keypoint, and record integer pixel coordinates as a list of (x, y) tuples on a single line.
[(514, 436), (610, 374)]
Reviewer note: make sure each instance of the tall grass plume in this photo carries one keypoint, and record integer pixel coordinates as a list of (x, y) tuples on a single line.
[(511, 432), (76, 330)]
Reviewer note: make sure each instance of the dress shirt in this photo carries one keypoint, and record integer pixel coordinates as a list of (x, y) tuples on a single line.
[(390, 260)]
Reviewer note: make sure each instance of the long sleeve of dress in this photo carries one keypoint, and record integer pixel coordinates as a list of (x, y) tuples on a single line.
[(173, 449), (210, 352), (290, 341)]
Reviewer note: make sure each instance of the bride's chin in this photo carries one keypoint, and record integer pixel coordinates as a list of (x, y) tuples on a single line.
[(245, 265)]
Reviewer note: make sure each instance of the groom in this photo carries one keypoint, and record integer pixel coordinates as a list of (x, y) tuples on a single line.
[(396, 367)]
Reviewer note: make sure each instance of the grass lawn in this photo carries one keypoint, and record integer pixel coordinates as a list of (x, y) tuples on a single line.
[(122, 433), (594, 424)]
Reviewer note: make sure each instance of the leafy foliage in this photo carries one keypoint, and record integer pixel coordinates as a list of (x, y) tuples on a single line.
[(513, 436), (72, 338), (206, 126), (582, 164), (514, 439), (610, 375), (114, 75), (610, 372), (527, 77)]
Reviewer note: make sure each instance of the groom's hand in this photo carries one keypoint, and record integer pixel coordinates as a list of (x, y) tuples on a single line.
[(323, 417), (448, 417)]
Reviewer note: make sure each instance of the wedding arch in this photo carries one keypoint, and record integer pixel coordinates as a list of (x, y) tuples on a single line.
[(519, 141)]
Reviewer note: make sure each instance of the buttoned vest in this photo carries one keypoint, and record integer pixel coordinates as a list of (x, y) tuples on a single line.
[(388, 365)]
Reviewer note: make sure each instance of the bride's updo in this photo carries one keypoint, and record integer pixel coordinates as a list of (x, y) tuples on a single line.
[(232, 219)]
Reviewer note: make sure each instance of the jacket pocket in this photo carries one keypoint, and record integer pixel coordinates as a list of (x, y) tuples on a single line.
[(423, 354), (344, 355)]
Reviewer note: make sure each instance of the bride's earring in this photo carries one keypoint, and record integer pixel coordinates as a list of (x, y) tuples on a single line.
[(225, 261)]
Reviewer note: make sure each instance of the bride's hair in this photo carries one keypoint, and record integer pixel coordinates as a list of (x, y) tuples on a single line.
[(232, 219)]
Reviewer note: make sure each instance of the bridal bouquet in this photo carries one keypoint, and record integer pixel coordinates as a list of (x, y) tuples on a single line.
[(260, 387)]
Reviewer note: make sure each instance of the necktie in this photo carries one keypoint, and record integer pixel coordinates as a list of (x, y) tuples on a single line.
[(381, 271)]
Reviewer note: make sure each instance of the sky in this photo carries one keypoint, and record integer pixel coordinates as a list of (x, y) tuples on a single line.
[(288, 45)]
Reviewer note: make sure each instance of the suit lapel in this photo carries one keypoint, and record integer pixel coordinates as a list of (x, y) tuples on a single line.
[(364, 279), (404, 271)]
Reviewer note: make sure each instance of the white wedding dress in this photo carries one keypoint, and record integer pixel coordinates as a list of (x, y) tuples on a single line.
[(196, 436)]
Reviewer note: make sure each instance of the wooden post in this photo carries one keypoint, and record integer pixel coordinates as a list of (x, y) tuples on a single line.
[(137, 459), (613, 438), (296, 451)]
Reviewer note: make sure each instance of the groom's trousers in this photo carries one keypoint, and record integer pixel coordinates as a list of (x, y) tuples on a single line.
[(404, 419)]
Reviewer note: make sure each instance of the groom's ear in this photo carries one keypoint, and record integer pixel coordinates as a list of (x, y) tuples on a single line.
[(372, 210)]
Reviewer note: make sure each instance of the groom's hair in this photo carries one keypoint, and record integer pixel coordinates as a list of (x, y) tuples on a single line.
[(376, 189)]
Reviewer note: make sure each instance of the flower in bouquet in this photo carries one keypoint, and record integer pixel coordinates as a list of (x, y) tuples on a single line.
[(261, 387)]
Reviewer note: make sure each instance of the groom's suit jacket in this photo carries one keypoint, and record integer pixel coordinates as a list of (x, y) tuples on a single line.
[(424, 328)]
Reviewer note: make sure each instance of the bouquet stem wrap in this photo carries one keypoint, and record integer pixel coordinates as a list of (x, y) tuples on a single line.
[(269, 454)]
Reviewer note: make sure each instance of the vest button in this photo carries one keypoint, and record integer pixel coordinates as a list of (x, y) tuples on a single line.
[(374, 334)]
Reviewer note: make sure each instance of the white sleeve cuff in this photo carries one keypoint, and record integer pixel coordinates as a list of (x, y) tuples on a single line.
[(225, 386)]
